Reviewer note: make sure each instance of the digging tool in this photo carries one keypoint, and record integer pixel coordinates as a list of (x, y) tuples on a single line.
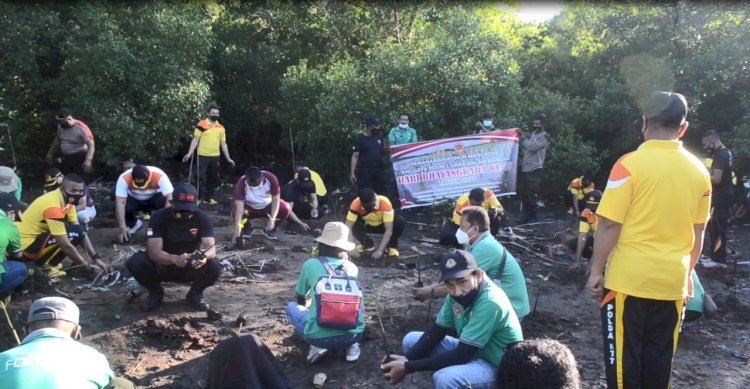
[(7, 317), (386, 349), (214, 315), (240, 321)]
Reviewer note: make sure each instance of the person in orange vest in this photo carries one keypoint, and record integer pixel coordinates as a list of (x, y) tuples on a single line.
[(584, 243), (577, 191), (210, 138), (479, 197)]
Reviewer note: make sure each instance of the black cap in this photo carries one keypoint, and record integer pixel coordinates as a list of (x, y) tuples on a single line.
[(304, 174), (184, 198), (140, 172), (456, 264), (476, 195), (488, 114), (252, 173), (662, 105), (367, 195), (373, 120), (9, 202), (593, 198)]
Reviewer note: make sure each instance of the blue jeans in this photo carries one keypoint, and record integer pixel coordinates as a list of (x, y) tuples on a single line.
[(297, 316), (15, 274), (477, 374)]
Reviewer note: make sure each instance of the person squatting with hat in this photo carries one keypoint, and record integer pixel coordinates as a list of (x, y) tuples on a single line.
[(180, 247), (482, 317), (374, 213), (142, 188), (12, 273), (476, 197), (50, 230), (333, 246), (50, 356), (305, 193), (10, 183), (650, 236)]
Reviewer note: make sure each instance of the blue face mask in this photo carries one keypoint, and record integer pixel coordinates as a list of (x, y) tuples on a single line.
[(403, 126), (487, 123)]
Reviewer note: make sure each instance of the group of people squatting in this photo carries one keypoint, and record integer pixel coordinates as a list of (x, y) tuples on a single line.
[(476, 339)]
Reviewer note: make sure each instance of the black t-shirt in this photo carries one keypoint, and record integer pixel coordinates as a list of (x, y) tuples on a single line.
[(370, 149), (723, 161), (179, 236)]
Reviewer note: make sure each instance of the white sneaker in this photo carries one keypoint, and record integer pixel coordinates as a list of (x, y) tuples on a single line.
[(315, 354), (540, 203), (352, 352), (138, 225), (711, 264)]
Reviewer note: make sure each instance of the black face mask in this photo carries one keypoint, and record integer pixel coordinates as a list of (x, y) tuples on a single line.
[(375, 131), (73, 198), (468, 299), (214, 118), (368, 207), (64, 124)]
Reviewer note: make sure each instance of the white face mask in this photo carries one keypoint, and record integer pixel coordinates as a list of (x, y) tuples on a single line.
[(462, 237), (403, 126), (487, 123)]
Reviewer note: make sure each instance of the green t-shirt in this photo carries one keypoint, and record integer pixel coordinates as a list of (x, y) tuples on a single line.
[(51, 359), (695, 303), (398, 136), (10, 239), (489, 253), (312, 269), (490, 323)]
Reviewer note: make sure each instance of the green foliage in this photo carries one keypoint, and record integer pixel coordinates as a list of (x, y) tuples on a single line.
[(141, 73)]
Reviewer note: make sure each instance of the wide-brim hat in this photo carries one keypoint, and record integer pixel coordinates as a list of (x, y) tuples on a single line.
[(336, 234)]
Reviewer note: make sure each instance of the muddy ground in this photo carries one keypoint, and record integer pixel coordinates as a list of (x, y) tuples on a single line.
[(169, 348)]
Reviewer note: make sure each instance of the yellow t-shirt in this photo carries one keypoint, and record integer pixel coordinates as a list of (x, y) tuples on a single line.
[(383, 212), (658, 193), (46, 214), (489, 201), (578, 190), (211, 136), (589, 222)]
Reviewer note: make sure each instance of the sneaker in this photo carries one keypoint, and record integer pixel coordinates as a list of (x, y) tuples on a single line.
[(570, 211), (352, 352), (196, 300), (711, 264), (138, 225), (362, 249), (154, 299), (540, 203), (391, 252), (211, 202), (273, 235), (247, 232), (315, 354)]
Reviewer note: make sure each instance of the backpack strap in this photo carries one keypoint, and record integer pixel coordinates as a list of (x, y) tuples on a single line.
[(331, 271), (501, 269)]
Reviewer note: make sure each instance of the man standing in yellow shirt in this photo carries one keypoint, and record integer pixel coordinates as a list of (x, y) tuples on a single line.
[(651, 225), (210, 138)]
